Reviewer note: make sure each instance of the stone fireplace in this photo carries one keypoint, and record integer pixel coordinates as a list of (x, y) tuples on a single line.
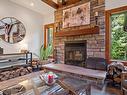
[(75, 53), (95, 46), (95, 43)]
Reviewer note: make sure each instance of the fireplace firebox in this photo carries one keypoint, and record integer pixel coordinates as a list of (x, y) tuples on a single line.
[(75, 53)]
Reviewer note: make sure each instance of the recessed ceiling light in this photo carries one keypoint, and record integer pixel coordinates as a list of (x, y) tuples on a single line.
[(31, 4)]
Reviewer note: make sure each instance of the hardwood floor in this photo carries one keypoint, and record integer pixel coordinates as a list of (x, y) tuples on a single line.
[(106, 90)]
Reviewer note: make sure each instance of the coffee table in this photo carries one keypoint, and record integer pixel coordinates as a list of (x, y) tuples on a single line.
[(37, 86)]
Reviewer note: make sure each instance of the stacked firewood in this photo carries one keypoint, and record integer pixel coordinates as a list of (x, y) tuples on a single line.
[(5, 75), (114, 71)]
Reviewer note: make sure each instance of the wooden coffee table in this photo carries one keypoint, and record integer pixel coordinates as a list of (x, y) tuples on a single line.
[(34, 86), (37, 86)]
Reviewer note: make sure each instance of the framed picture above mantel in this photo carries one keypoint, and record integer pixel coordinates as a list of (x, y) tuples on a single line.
[(76, 16)]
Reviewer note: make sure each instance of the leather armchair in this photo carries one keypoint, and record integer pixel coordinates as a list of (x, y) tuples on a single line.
[(124, 82), (96, 63)]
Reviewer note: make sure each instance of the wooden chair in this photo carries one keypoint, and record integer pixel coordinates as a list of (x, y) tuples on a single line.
[(124, 82)]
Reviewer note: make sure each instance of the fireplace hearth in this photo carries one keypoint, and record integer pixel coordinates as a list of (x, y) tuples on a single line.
[(75, 53)]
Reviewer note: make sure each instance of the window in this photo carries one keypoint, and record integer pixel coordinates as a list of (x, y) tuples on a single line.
[(48, 35), (116, 34)]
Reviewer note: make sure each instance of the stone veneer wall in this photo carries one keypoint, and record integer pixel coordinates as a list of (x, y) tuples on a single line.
[(95, 42)]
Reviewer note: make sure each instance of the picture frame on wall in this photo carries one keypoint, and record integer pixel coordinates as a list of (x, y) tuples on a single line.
[(76, 16)]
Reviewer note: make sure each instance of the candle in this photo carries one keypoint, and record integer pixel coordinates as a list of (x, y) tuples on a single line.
[(50, 78), (96, 13)]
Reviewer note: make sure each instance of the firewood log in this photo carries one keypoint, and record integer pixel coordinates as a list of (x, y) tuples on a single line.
[(29, 69)]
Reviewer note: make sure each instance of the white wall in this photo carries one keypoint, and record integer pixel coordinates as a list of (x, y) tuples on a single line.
[(111, 4), (47, 19), (33, 23)]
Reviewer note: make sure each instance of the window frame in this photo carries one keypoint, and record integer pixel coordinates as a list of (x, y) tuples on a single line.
[(46, 27), (108, 15)]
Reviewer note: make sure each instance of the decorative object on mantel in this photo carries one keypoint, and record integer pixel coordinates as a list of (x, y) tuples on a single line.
[(76, 16), (96, 17), (58, 26), (86, 31), (11, 30)]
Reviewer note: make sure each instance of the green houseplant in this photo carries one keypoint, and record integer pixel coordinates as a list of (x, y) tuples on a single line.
[(46, 52)]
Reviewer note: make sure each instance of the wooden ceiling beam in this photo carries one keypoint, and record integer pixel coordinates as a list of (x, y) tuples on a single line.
[(68, 2), (72, 1), (51, 3)]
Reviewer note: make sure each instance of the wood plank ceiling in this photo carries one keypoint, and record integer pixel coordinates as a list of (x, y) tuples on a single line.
[(60, 3), (51, 3)]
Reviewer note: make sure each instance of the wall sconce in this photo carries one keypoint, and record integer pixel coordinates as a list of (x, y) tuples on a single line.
[(96, 15)]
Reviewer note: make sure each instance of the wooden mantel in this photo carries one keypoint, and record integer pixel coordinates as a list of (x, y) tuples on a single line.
[(86, 31)]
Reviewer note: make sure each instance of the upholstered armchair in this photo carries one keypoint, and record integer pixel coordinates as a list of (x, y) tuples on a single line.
[(124, 82)]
